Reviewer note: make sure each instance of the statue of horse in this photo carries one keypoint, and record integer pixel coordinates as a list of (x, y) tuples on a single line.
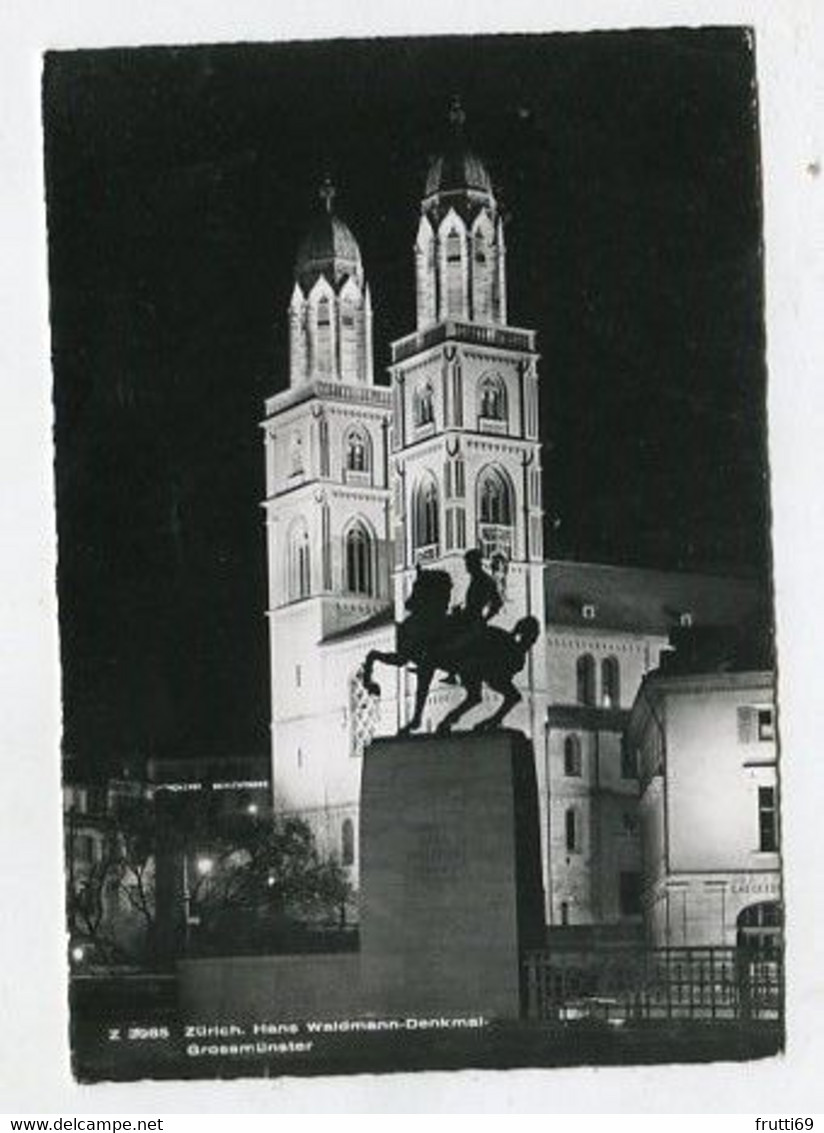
[(431, 638)]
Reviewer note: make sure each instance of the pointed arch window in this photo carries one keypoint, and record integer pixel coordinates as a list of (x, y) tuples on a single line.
[(424, 406), (299, 570), (492, 399), (357, 456), (480, 248), (585, 679), (359, 574), (610, 683), (324, 336), (496, 513), (425, 519)]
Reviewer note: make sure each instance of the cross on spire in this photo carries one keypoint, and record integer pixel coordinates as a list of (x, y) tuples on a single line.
[(327, 193)]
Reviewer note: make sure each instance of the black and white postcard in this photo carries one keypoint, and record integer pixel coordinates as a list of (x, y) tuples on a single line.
[(416, 607)]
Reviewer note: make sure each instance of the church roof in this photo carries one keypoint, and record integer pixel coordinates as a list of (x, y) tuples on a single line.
[(458, 168), (593, 596), (329, 248)]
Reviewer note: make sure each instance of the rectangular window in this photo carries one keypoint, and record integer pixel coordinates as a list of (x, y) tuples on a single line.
[(450, 525), (767, 820), (629, 894), (766, 726), (571, 830), (755, 725)]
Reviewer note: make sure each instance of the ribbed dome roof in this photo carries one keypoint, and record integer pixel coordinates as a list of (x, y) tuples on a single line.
[(457, 168), (329, 248)]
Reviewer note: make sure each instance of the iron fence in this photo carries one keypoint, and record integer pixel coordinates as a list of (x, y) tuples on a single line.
[(629, 985)]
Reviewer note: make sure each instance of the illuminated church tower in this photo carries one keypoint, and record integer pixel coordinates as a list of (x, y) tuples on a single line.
[(326, 503), (466, 450)]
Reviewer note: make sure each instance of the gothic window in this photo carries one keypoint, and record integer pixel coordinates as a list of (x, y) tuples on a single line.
[(572, 757), (454, 272), (610, 683), (424, 406), (585, 679), (480, 248), (357, 451), (495, 498), (492, 399), (324, 336), (299, 568), (347, 842), (358, 560), (425, 525), (363, 715), (496, 513)]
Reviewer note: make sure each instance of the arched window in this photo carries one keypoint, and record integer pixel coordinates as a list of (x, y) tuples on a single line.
[(495, 498), (480, 248), (356, 447), (299, 573), (454, 269), (585, 674), (492, 399), (358, 560), (425, 525), (424, 406), (347, 842), (572, 756), (324, 336), (496, 513), (610, 683), (760, 927)]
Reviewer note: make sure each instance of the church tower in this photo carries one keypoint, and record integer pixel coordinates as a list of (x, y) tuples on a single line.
[(327, 503), (466, 450)]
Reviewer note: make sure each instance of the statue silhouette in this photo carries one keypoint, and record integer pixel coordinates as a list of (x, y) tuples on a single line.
[(461, 643)]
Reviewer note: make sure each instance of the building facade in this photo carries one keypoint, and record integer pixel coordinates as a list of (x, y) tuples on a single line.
[(368, 483), (709, 807)]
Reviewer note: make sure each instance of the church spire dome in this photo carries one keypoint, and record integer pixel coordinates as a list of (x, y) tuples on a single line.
[(459, 250), (330, 315), (329, 248)]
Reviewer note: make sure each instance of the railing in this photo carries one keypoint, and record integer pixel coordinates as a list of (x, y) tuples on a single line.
[(479, 334), (626, 985)]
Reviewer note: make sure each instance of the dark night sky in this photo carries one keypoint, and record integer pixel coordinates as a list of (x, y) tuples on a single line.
[(179, 183)]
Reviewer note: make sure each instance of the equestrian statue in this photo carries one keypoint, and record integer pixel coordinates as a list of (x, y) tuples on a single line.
[(460, 642)]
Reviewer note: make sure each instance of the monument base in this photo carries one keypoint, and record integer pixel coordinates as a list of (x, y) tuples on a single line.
[(451, 890)]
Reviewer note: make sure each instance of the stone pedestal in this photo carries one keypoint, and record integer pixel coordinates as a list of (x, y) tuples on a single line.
[(451, 892)]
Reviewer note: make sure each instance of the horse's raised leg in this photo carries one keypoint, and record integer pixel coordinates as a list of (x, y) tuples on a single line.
[(372, 656), (473, 697), (425, 674), (511, 697)]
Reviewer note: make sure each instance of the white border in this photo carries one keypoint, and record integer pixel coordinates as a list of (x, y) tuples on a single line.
[(34, 1074)]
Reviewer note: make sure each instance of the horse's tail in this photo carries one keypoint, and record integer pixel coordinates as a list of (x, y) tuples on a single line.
[(525, 633)]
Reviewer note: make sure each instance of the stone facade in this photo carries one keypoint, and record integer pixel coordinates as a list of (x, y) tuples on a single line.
[(366, 483), (709, 807)]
